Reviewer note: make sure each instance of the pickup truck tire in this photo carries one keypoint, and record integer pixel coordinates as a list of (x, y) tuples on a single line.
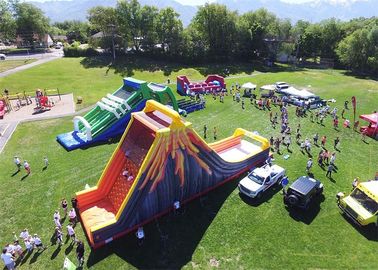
[(2, 58), (292, 200)]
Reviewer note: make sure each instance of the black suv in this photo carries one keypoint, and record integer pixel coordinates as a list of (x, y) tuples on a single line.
[(302, 192)]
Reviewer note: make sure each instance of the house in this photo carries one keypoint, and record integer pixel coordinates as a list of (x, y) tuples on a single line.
[(61, 38), (23, 41)]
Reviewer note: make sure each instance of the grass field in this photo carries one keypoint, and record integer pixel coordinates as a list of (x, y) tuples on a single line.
[(10, 64), (222, 227)]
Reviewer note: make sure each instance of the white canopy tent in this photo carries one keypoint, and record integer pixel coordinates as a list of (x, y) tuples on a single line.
[(268, 87), (298, 93), (249, 85)]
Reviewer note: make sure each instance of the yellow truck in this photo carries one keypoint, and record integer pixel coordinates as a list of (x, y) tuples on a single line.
[(362, 204)]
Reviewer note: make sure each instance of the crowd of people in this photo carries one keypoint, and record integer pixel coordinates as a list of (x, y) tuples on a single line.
[(14, 254)]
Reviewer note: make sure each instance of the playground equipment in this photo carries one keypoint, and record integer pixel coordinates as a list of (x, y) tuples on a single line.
[(112, 113), (2, 108), (42, 102), (160, 163), (213, 83), (371, 130)]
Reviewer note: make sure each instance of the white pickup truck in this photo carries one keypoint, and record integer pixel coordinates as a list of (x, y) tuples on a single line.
[(260, 179)]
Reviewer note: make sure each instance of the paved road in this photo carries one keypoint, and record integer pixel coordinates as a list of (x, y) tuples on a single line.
[(53, 53)]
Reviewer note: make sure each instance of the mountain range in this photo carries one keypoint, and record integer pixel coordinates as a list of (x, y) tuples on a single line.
[(313, 11)]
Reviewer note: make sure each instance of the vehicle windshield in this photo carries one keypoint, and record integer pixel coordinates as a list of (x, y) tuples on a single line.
[(367, 202), (256, 178)]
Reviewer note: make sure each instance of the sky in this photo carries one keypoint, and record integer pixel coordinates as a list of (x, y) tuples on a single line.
[(200, 2)]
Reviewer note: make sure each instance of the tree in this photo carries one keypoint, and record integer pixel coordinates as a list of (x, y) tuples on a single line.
[(30, 22), (216, 25), (136, 23), (169, 30), (7, 22), (359, 50)]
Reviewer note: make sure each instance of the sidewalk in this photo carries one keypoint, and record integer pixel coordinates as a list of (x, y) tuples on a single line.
[(24, 67)]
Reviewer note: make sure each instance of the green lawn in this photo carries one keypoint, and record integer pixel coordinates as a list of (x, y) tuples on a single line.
[(10, 64), (221, 227)]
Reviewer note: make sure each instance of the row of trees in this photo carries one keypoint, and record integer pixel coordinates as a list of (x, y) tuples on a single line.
[(214, 34)]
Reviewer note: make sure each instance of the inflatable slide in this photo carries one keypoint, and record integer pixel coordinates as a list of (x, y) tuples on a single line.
[(161, 160), (112, 113), (2, 108), (213, 83)]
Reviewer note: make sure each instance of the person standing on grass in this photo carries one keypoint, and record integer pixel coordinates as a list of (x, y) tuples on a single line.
[(17, 162), (64, 205), (38, 242), (324, 140), (57, 219), (204, 131), (71, 232), (320, 158), (271, 141), (336, 143), (316, 138), (46, 162), (27, 167), (8, 259), (329, 171), (80, 253), (298, 137), (59, 235), (72, 216), (309, 165), (333, 159), (288, 142), (215, 133), (18, 249), (303, 146), (24, 234)]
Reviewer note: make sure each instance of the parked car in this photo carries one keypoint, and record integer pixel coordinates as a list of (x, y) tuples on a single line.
[(361, 206), (302, 192), (261, 179), (2, 56), (281, 85)]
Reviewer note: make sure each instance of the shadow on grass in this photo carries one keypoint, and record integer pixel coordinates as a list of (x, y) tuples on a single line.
[(15, 173), (306, 215), (171, 240), (128, 65), (266, 196), (360, 76), (56, 252), (370, 231)]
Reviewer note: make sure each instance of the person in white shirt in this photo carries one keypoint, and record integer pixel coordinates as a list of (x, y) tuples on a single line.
[(72, 216), (57, 219), (18, 249), (24, 234), (309, 165), (27, 167), (46, 162), (71, 232), (59, 235), (29, 244), (17, 161), (8, 259), (333, 159), (10, 248), (38, 242)]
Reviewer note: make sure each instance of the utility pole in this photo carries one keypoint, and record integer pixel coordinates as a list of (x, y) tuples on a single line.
[(112, 26)]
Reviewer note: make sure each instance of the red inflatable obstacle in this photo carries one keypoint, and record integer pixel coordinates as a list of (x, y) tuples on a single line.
[(2, 108), (213, 83), (371, 130)]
